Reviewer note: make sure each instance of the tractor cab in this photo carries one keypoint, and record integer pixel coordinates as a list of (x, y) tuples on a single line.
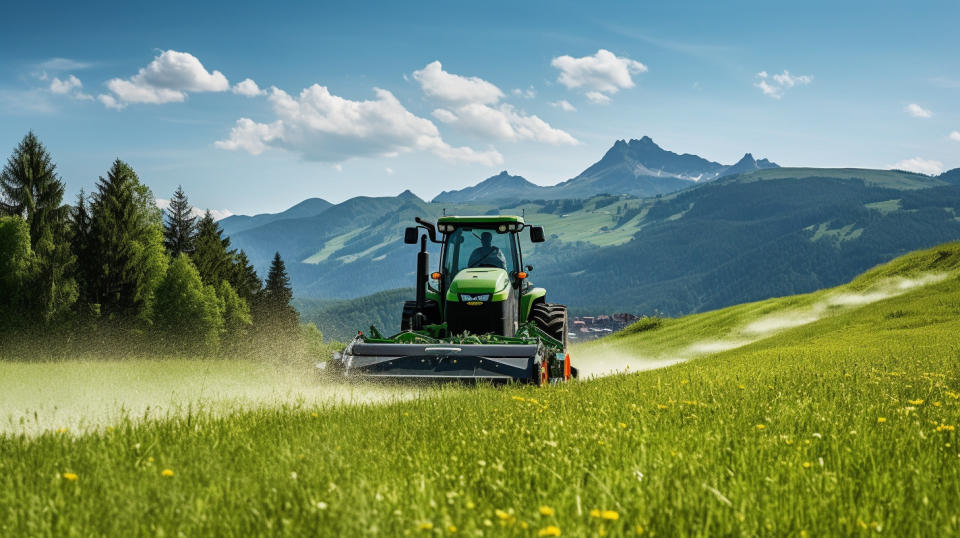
[(481, 285)]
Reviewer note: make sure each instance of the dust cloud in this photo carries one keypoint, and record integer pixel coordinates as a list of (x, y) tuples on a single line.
[(91, 395), (603, 361)]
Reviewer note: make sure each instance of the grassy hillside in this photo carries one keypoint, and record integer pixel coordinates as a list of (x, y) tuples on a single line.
[(842, 425), (340, 320)]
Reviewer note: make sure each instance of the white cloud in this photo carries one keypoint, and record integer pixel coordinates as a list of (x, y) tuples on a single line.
[(529, 93), (217, 214), (774, 86), (71, 86), (918, 111), (110, 102), (66, 85), (955, 136), (388, 170), (167, 79), (604, 73), (321, 126), (917, 164), (63, 64), (598, 98), (564, 105), (451, 88), (248, 88), (475, 108), (338, 167)]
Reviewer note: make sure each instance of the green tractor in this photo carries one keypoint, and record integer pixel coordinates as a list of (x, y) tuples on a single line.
[(477, 318)]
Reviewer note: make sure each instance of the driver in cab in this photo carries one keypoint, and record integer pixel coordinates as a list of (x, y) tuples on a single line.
[(487, 255)]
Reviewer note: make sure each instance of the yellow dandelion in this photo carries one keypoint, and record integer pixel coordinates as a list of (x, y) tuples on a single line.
[(945, 428), (595, 513), (70, 476), (167, 473), (881, 420), (150, 459), (661, 406), (451, 529), (741, 387), (314, 415), (610, 514), (501, 514), (549, 530), (470, 505), (547, 511), (936, 404), (761, 426), (519, 398), (622, 424), (638, 529), (915, 402), (425, 526), (807, 465), (61, 430)]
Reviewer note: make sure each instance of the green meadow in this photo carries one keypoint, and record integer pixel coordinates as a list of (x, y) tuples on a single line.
[(829, 413)]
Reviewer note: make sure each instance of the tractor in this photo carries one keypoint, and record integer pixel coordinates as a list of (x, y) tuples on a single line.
[(478, 317)]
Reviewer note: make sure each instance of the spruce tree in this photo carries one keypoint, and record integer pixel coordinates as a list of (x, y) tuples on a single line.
[(211, 254), (180, 225), (31, 189), (126, 240), (80, 245), (245, 279), (275, 313)]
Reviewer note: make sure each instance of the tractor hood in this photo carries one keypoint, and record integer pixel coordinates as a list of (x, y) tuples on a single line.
[(479, 282)]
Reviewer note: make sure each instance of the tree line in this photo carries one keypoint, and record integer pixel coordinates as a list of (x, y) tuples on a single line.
[(114, 269)]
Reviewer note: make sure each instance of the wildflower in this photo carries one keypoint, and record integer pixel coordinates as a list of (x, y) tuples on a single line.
[(470, 505), (915, 402), (761, 426), (741, 387), (321, 505), (945, 428), (818, 436), (638, 529), (425, 526), (622, 425), (595, 513), (610, 514), (62, 430), (501, 514), (547, 511), (167, 473), (519, 398), (70, 476), (881, 420), (150, 459), (451, 529), (314, 415), (936, 404), (661, 406), (549, 530), (807, 465)]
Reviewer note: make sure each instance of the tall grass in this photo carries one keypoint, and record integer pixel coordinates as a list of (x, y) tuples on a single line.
[(844, 425)]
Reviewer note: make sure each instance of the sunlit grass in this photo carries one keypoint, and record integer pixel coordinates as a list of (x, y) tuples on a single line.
[(840, 426)]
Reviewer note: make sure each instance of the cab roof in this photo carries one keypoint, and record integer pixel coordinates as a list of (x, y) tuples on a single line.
[(481, 219)]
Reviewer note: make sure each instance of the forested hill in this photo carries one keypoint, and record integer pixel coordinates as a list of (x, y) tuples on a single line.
[(742, 237)]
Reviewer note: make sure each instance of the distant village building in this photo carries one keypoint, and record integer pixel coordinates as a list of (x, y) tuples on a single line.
[(591, 327)]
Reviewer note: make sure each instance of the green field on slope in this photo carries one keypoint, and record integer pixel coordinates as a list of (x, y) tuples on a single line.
[(837, 414)]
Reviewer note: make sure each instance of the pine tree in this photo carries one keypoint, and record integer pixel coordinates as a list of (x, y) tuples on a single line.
[(80, 245), (31, 189), (211, 252), (126, 240), (244, 279), (274, 312), (180, 226)]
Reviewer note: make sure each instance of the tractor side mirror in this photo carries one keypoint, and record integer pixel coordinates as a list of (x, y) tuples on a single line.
[(529, 268), (411, 235), (536, 234)]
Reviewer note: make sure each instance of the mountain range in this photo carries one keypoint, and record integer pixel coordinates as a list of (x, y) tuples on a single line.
[(756, 232), (638, 167)]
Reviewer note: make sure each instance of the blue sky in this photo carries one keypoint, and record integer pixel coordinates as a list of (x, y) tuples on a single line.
[(351, 101)]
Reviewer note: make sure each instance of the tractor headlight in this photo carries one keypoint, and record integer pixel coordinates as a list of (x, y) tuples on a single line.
[(502, 228), (514, 227)]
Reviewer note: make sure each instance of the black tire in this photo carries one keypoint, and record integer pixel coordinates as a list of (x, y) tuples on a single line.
[(430, 308), (551, 319)]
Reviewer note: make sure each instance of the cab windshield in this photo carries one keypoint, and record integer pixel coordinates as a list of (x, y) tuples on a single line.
[(479, 247)]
